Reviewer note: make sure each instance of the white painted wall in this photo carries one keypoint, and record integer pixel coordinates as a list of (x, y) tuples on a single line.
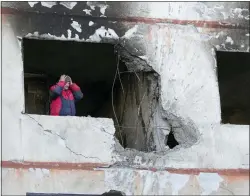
[(129, 181), (209, 11), (186, 64), (73, 139)]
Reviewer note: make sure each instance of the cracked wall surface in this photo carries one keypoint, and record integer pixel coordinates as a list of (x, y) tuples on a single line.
[(131, 182), (184, 58), (189, 92), (71, 137)]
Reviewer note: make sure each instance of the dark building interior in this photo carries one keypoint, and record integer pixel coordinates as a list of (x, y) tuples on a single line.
[(91, 65), (234, 86)]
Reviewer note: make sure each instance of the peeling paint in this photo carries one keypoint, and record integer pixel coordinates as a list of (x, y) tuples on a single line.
[(129, 181), (178, 181), (76, 36), (103, 9), (209, 182), (130, 33), (34, 34), (111, 33), (39, 173), (32, 3), (49, 36), (225, 15), (138, 160), (62, 37), (69, 33), (46, 172), (91, 23), (148, 182), (48, 4), (221, 33), (103, 6), (103, 33), (238, 12), (76, 26), (31, 170), (229, 40), (69, 5), (88, 12), (90, 5), (220, 7)]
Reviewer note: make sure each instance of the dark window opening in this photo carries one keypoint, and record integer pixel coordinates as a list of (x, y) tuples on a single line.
[(91, 65), (234, 81), (36, 93)]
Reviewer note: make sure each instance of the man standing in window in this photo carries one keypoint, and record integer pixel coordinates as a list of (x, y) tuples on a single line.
[(64, 95)]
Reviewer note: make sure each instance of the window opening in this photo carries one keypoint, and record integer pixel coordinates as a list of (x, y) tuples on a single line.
[(91, 65), (234, 81)]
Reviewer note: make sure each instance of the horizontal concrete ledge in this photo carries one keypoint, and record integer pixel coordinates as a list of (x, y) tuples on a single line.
[(146, 20), (92, 166), (52, 165)]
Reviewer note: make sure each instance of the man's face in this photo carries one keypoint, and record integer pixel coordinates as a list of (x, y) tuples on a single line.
[(66, 87)]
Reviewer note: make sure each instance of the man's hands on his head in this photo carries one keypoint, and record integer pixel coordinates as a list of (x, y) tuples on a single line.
[(70, 80), (62, 78)]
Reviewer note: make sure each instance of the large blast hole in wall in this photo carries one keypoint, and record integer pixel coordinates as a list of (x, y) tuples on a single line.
[(111, 90), (234, 81)]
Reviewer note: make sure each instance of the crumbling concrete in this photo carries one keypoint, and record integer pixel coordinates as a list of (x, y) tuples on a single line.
[(185, 96), (184, 58), (69, 137), (130, 182)]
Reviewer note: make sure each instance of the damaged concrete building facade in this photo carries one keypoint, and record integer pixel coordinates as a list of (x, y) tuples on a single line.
[(166, 107)]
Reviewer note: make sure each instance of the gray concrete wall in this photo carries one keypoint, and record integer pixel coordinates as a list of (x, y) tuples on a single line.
[(184, 57), (224, 24), (189, 93), (131, 182), (209, 11)]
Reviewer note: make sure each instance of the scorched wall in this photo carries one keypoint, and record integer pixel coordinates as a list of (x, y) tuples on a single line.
[(61, 154)]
